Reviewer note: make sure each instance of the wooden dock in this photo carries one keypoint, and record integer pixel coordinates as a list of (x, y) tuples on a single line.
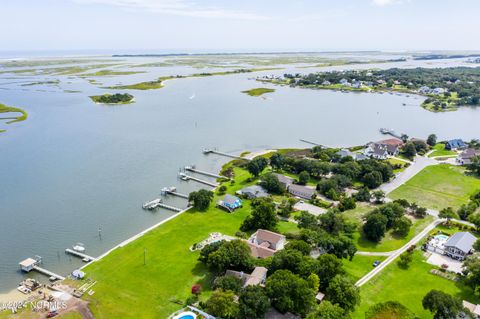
[(186, 177), (194, 170), (172, 190), (49, 273), (209, 151), (391, 132), (84, 257), (173, 208), (313, 143)]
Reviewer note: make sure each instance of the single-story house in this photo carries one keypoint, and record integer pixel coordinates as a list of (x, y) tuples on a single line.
[(301, 191), (465, 158), (257, 277), (284, 180), (230, 202), (474, 309), (459, 245), (356, 156), (254, 191), (264, 243), (456, 144)]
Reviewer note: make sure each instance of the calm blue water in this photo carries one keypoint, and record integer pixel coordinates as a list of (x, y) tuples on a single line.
[(74, 166)]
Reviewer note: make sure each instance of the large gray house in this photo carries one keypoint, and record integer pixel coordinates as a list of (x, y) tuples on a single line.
[(459, 245)]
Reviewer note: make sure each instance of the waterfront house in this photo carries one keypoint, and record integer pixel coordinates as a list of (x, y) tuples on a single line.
[(257, 277), (455, 144), (301, 191), (254, 191), (459, 245), (345, 153), (465, 158), (438, 91), (230, 202), (264, 243), (344, 82), (284, 180), (424, 90), (383, 149), (326, 82)]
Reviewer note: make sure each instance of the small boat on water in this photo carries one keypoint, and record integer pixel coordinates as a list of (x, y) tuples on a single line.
[(79, 247), (152, 204), (192, 97)]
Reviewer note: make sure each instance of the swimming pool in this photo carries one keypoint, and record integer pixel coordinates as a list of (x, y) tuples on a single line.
[(441, 237), (186, 315)]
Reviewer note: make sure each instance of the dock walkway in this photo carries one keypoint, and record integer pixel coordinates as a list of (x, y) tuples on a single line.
[(209, 151), (186, 177), (48, 272), (173, 191), (194, 170), (85, 257)]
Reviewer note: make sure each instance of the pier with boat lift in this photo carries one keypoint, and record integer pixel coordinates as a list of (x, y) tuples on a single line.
[(192, 168), (172, 190), (207, 151), (30, 264), (186, 177), (156, 203), (85, 257), (387, 131)]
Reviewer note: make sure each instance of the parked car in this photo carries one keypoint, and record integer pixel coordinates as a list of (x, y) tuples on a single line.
[(51, 314), (376, 263)]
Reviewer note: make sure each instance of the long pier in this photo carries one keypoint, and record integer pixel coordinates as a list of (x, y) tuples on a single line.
[(209, 151), (186, 177), (173, 191), (84, 257), (48, 272), (390, 132), (313, 143), (194, 170), (173, 208)]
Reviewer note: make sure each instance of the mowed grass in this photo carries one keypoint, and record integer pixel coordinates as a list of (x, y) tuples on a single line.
[(388, 243), (439, 150), (408, 286), (438, 186), (360, 265)]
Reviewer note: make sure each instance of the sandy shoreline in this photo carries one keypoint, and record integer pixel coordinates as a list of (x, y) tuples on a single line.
[(12, 296)]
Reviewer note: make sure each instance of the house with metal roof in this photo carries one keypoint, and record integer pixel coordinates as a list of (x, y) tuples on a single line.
[(284, 180), (456, 144), (254, 191), (230, 202), (459, 245), (466, 157), (304, 192)]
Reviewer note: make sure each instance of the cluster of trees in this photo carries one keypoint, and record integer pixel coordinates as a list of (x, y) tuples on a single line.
[(465, 212), (294, 279), (414, 147), (386, 217), (201, 199), (462, 80), (263, 216), (116, 98)]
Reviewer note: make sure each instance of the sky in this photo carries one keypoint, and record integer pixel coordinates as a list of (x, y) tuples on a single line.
[(151, 26)]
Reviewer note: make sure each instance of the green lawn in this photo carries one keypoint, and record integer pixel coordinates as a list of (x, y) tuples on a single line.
[(125, 284), (439, 150), (285, 227), (360, 265), (438, 186), (408, 286), (390, 241)]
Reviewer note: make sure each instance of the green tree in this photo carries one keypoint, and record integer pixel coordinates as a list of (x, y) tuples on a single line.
[(402, 226), (201, 199), (471, 270), (257, 165), (277, 160), (303, 178), (253, 302), (230, 254), (290, 293), (475, 219), (343, 292), (375, 227), (379, 196), (474, 167), (409, 150), (448, 213), (404, 138), (347, 203), (442, 305), (225, 283), (405, 259), (363, 195), (299, 245), (328, 311), (263, 216), (286, 207), (271, 183), (222, 304), (328, 266), (373, 179), (432, 140), (313, 281)]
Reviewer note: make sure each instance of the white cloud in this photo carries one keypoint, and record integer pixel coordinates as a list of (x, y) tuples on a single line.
[(385, 2), (178, 7)]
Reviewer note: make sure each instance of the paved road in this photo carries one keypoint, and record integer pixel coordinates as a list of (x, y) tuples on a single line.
[(419, 163), (397, 253), (375, 253)]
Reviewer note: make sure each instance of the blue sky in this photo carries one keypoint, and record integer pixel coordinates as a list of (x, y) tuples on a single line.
[(246, 25)]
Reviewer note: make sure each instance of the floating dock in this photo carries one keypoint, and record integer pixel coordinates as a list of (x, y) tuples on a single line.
[(186, 177), (194, 170), (84, 257), (30, 264), (390, 132), (172, 190), (152, 204), (209, 151)]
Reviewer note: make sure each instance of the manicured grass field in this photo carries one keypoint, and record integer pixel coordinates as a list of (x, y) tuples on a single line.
[(408, 286), (258, 91), (125, 285), (285, 227), (360, 265), (439, 150), (438, 186)]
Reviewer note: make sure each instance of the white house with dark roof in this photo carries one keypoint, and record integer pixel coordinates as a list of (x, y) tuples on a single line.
[(459, 245)]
